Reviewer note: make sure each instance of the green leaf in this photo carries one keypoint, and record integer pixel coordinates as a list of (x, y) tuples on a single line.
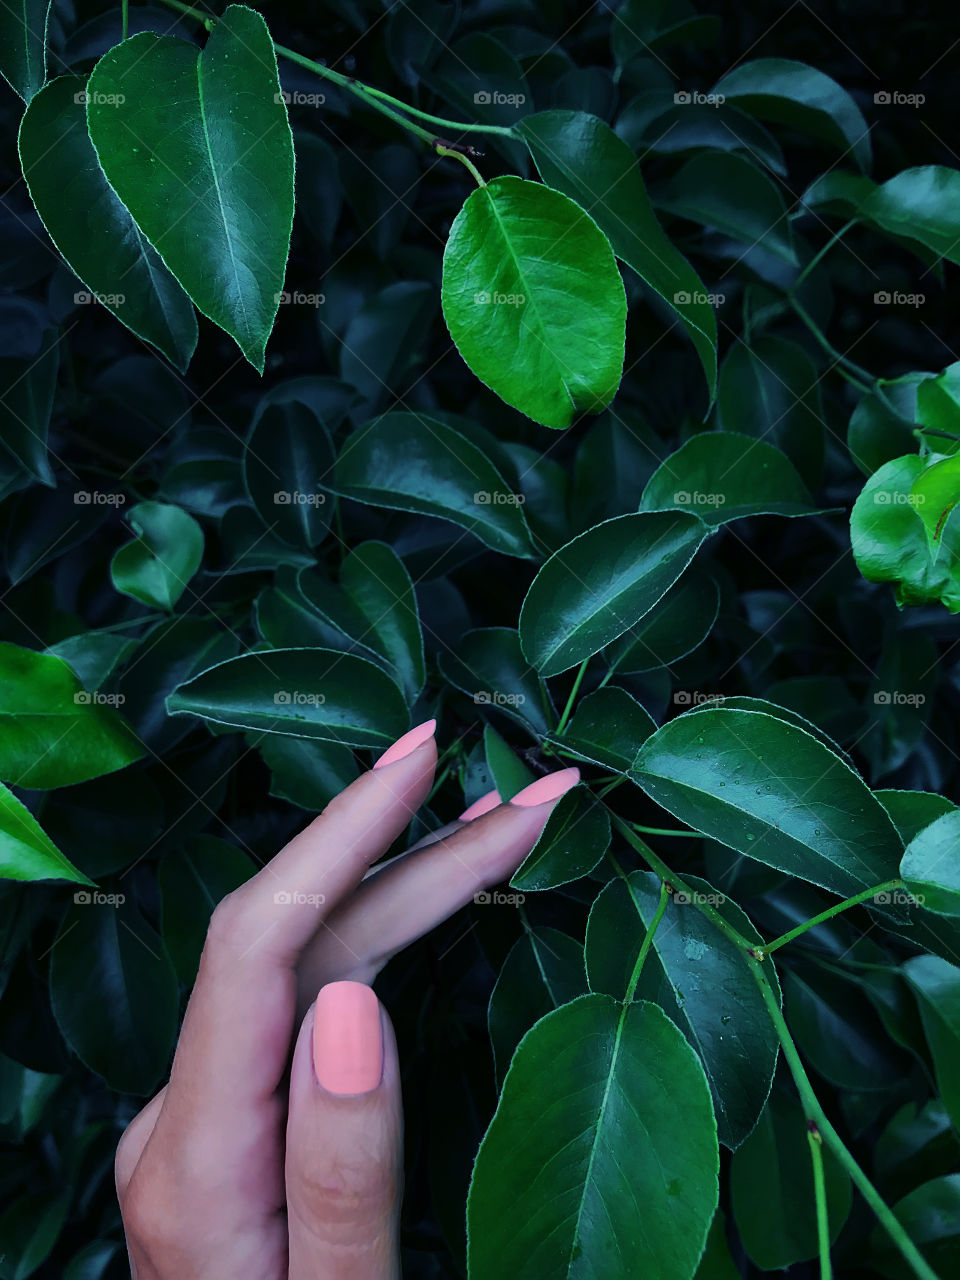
[(23, 45), (507, 770), (699, 979), (878, 433), (287, 460), (769, 389), (581, 155), (627, 1143), (920, 204), (673, 628), (157, 566), (891, 544), (198, 147), (726, 191), (574, 839), (608, 728), (600, 584), (306, 771), (937, 987), (936, 492), (771, 791), (26, 852), (716, 1263), (29, 1229), (772, 1185), (92, 228), (52, 732), (930, 1215), (412, 462), (798, 95), (723, 476), (489, 666), (27, 392), (192, 881), (911, 811), (378, 583), (543, 970), (306, 693), (534, 301), (114, 993)]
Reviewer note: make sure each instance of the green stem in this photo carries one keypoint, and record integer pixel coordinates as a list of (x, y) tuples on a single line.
[(920, 432), (819, 256), (457, 125), (573, 697), (665, 831), (647, 943), (831, 912), (124, 18), (820, 1196), (611, 786), (854, 374), (441, 150)]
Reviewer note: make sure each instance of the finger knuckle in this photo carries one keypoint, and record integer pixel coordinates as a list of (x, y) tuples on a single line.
[(340, 1195)]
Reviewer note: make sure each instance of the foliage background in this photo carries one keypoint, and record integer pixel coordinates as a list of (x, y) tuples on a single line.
[(796, 624)]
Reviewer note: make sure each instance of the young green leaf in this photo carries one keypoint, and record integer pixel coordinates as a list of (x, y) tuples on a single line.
[(199, 149), (725, 476), (23, 45), (157, 566), (93, 229), (773, 792), (53, 733), (307, 693), (623, 1140), (936, 492), (508, 771), (26, 851), (581, 155), (534, 301), (600, 584)]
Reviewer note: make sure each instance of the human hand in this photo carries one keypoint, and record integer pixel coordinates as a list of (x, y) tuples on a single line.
[(235, 1171)]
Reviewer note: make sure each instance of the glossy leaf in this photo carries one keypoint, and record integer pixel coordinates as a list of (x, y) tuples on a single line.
[(93, 229), (576, 836), (936, 492), (157, 567), (412, 462), (549, 1195), (592, 590), (507, 771), (608, 728), (307, 693), (911, 811), (773, 792), (721, 476), (378, 583), (23, 45), (26, 852), (216, 122), (489, 666), (52, 732), (287, 461), (920, 204), (582, 156), (306, 771), (534, 301), (673, 628)]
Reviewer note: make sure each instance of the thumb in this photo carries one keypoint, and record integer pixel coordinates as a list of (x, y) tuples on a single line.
[(344, 1163)]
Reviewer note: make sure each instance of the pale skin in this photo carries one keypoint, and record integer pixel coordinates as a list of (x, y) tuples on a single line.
[(239, 1167)]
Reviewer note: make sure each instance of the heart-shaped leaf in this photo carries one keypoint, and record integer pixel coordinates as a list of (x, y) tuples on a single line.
[(534, 301), (199, 149)]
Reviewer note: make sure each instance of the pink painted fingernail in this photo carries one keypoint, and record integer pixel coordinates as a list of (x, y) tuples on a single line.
[(481, 806), (406, 745), (347, 1038), (551, 787)]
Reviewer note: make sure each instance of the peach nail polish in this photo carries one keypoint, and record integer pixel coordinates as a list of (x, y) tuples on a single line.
[(551, 787), (347, 1038), (406, 745), (481, 806)]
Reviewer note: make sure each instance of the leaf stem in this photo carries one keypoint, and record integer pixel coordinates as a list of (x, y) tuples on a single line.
[(832, 911), (647, 943), (124, 18), (859, 377), (665, 831), (457, 125), (573, 697), (820, 1197), (822, 253), (441, 150)]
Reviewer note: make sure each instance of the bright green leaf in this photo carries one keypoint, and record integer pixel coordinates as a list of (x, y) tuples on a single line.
[(157, 566), (26, 852)]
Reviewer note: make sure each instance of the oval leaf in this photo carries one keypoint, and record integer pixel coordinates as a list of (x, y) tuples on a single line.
[(576, 836), (156, 568)]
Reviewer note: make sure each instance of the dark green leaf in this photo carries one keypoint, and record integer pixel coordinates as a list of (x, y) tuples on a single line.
[(930, 1215), (489, 665), (192, 881), (673, 628), (287, 461), (157, 566), (23, 45), (608, 727), (576, 836), (937, 987), (27, 391), (507, 770), (306, 771)]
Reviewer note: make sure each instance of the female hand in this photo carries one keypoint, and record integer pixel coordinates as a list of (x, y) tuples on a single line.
[(235, 1172)]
